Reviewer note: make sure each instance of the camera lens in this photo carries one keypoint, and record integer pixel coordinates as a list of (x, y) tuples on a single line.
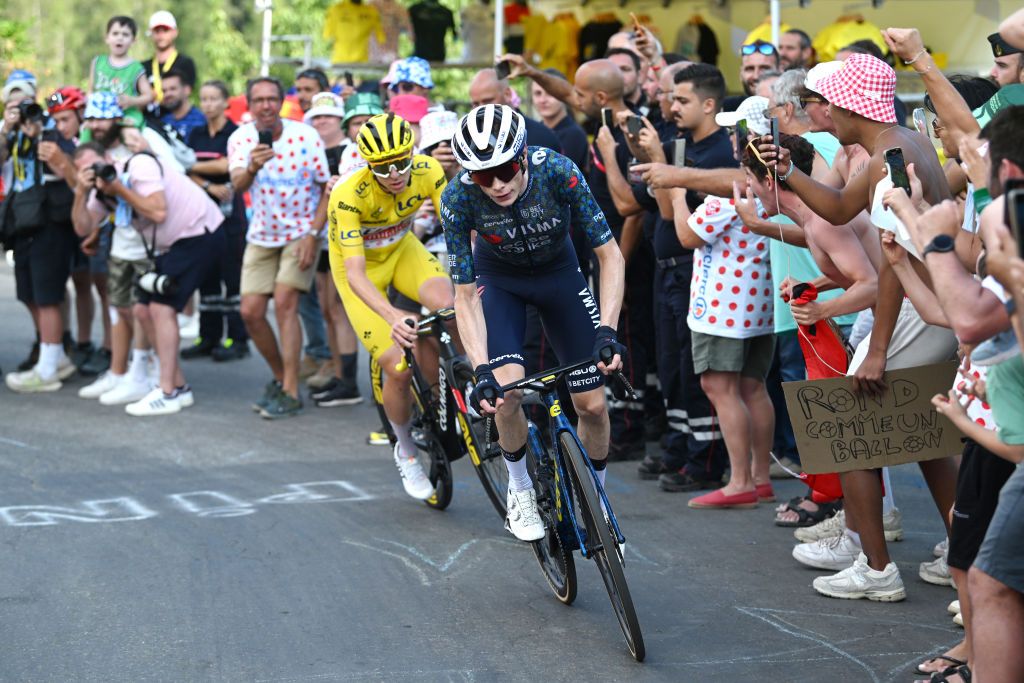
[(31, 111), (105, 172)]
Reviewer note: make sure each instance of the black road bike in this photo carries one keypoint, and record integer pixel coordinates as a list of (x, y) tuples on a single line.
[(443, 426)]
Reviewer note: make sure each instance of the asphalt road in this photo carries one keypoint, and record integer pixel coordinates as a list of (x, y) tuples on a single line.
[(215, 546)]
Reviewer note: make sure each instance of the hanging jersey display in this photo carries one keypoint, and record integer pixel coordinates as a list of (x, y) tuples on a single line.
[(395, 20), (477, 33), (350, 25), (431, 23)]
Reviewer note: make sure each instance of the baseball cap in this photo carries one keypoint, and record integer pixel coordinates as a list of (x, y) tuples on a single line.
[(412, 69), (162, 19), (436, 127), (325, 104), (102, 105), (1007, 96), (865, 85), (362, 104), (753, 110), (19, 79), (819, 72), (412, 108)]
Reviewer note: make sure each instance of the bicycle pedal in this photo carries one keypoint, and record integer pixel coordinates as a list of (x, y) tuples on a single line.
[(419, 438)]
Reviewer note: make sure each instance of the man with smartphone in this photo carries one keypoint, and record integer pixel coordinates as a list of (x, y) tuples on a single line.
[(861, 94), (693, 457), (282, 163)]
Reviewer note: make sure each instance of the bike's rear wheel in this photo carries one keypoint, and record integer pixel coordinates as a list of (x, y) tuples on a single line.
[(555, 560), (601, 543), (490, 467)]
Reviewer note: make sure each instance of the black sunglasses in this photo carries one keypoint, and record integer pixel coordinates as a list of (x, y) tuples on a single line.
[(505, 173), (763, 48), (804, 101)]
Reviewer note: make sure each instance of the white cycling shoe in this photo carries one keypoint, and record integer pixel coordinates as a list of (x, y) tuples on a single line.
[(523, 520), (414, 479)]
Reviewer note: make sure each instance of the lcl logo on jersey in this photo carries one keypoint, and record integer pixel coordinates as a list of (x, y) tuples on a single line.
[(699, 307)]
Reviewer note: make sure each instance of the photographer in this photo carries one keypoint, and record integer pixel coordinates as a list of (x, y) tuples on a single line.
[(37, 227), (184, 244)]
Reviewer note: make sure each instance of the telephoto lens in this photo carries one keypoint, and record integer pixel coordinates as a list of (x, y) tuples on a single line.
[(155, 283), (30, 111), (105, 172)]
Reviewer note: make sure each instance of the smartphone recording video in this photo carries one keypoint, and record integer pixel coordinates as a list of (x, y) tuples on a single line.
[(897, 169), (607, 118)]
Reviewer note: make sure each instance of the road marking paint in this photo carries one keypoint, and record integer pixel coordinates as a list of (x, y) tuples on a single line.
[(106, 510)]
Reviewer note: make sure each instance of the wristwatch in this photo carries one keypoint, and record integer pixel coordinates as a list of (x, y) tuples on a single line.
[(941, 244)]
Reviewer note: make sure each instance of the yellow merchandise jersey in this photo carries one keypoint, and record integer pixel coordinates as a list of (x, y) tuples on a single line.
[(367, 220), (350, 25)]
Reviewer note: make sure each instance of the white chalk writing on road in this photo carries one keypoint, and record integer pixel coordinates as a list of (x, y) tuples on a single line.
[(201, 503)]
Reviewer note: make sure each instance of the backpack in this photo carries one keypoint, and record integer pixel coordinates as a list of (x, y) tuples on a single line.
[(184, 154)]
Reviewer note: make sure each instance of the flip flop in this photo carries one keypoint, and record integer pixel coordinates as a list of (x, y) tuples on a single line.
[(805, 517), (952, 660)]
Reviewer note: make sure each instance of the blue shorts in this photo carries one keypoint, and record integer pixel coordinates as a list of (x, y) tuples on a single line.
[(567, 309)]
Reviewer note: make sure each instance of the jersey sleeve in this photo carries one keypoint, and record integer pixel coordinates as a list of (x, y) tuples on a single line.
[(712, 218), (458, 227), (240, 146), (321, 171), (344, 221), (438, 182), (574, 191)]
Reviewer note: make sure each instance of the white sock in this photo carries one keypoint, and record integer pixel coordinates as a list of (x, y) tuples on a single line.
[(854, 536), (138, 367), (406, 446), (49, 358), (888, 501), (518, 476), (600, 476)]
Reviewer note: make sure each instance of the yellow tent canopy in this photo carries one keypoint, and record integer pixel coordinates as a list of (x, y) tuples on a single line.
[(844, 31)]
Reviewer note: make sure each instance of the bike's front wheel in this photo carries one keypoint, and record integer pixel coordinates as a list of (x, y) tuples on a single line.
[(439, 471), (601, 545)]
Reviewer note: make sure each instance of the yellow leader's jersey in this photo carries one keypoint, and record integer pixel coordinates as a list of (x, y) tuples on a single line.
[(367, 220)]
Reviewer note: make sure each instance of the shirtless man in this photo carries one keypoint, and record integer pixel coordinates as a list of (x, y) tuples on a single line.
[(861, 95)]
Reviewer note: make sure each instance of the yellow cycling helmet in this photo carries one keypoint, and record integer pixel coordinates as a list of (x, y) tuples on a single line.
[(385, 137)]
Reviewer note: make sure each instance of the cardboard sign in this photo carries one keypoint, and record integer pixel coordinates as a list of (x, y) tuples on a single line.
[(838, 431)]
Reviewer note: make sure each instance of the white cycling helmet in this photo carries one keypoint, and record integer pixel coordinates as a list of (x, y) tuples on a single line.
[(489, 136)]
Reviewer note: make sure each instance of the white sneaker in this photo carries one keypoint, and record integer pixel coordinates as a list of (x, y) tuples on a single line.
[(31, 382), (838, 552), (861, 581), (154, 403), (186, 398), (941, 548), (936, 572), (826, 528), (65, 368), (892, 524), (188, 326), (414, 479), (100, 385), (954, 607), (126, 391), (523, 519)]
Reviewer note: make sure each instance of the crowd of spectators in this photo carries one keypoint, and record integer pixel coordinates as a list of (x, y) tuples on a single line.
[(744, 221)]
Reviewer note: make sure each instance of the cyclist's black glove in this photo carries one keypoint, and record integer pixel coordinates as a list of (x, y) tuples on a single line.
[(606, 345), (487, 388)]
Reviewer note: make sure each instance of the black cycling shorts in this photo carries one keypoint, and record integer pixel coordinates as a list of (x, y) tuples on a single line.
[(568, 312), (979, 480)]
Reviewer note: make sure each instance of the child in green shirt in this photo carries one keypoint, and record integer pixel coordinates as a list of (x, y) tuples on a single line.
[(120, 74)]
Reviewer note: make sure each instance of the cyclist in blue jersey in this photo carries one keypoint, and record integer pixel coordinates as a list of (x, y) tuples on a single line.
[(520, 201)]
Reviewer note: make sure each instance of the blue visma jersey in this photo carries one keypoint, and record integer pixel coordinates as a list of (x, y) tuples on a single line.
[(531, 235)]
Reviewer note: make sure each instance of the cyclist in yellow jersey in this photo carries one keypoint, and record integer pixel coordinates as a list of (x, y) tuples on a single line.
[(372, 246)]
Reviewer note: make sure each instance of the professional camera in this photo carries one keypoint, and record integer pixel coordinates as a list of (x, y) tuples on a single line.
[(155, 283), (30, 111), (105, 172)]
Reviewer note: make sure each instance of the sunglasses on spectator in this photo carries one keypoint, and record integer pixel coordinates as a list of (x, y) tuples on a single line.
[(804, 101), (763, 48), (406, 86), (400, 166), (505, 173)]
